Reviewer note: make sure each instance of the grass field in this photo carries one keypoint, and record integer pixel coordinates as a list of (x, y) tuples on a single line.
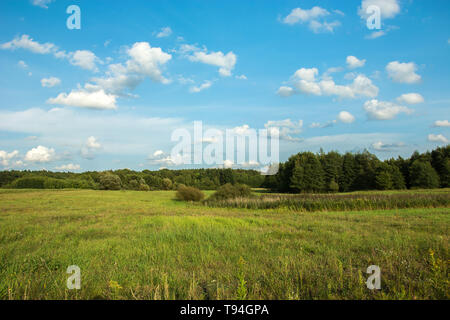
[(146, 245)]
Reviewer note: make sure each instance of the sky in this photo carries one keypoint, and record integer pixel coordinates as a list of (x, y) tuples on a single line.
[(111, 93)]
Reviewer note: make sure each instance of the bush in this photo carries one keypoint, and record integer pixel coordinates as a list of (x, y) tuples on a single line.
[(229, 191), (189, 193), (29, 183), (109, 181), (166, 184)]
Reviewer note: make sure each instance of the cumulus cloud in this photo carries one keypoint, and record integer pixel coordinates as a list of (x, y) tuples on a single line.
[(40, 154), (285, 91), (384, 110), (442, 123), (388, 8), (225, 62), (83, 98), (242, 77), (147, 60), (85, 59), (144, 61), (165, 32), (403, 72), (92, 143), (305, 81), (82, 58), (50, 82), (437, 138), (314, 17), (89, 149), (68, 167), (345, 117), (6, 157), (203, 86), (411, 98), (353, 62)]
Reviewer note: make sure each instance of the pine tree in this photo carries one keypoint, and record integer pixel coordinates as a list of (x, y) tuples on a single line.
[(423, 175)]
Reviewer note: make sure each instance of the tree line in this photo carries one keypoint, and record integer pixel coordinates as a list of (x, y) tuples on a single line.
[(303, 172), (205, 179), (335, 172)]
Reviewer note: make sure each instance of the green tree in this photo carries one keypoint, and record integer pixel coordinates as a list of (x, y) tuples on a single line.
[(308, 175), (167, 184), (423, 175), (110, 181)]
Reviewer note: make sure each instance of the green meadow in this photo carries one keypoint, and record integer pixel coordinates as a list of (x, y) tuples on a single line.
[(147, 245)]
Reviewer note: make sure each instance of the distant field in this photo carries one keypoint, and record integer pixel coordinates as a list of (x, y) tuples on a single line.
[(146, 245)]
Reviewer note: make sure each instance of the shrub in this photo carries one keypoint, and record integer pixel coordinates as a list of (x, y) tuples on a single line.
[(166, 184), (229, 191), (109, 181), (189, 193)]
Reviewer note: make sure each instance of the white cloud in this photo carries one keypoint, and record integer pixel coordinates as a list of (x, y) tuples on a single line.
[(227, 164), (437, 138), (286, 129), (306, 74), (89, 149), (22, 64), (242, 77), (315, 125), (6, 157), (165, 32), (322, 27), (42, 3), (299, 15), (380, 146), (158, 153), (85, 99), (92, 143), (285, 91), (411, 98), (225, 62), (147, 60), (309, 87), (85, 59), (50, 82), (119, 133), (376, 34), (389, 8), (346, 117), (27, 43), (383, 110), (353, 62), (305, 81), (314, 18), (403, 72), (203, 86), (68, 167), (442, 123), (40, 154), (82, 58)]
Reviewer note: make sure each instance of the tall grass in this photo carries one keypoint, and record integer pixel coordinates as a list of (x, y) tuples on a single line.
[(336, 202)]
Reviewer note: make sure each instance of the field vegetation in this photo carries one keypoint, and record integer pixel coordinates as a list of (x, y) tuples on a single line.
[(148, 245)]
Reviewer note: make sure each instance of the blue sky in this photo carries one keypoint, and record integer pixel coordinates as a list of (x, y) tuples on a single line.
[(109, 95)]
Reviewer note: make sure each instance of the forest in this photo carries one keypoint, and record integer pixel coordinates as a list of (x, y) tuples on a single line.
[(304, 172)]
